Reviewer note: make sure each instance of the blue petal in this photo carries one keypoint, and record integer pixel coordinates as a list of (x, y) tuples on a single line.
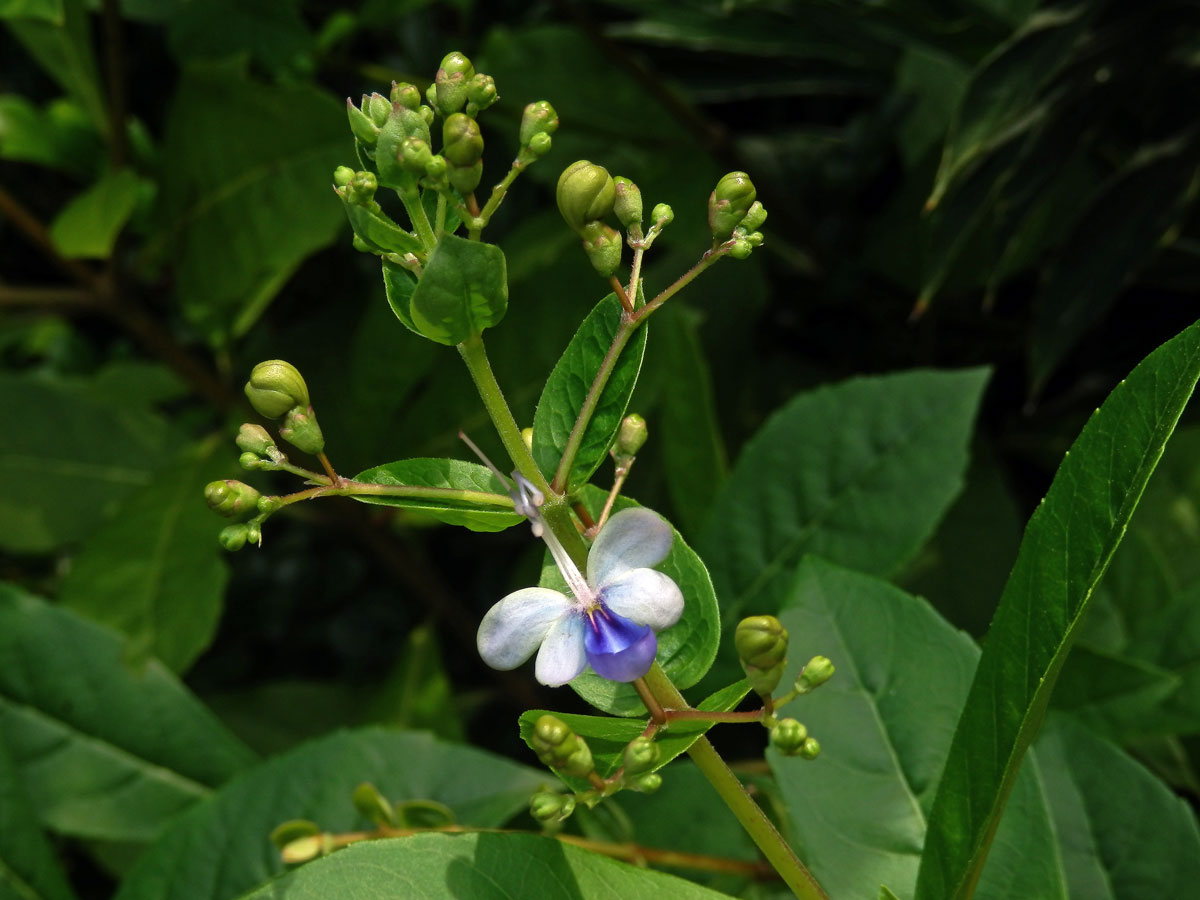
[(618, 649), (634, 538), (516, 626)]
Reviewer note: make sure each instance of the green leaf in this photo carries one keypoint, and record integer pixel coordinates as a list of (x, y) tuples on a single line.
[(858, 473), (437, 866), (568, 386), (103, 752), (45, 10), (1118, 231), (59, 136), (88, 226), (315, 782), (155, 571), (685, 650), (1002, 97), (463, 290), (378, 230), (400, 284), (1123, 834), (28, 867), (1117, 696), (257, 199), (70, 462), (607, 736), (484, 506), (272, 32), (885, 721), (1067, 545)]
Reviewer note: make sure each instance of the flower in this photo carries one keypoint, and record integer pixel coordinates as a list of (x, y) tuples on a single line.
[(609, 619)]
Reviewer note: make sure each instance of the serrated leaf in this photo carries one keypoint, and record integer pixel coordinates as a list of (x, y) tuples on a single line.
[(858, 473), (155, 571), (463, 289), (685, 650), (568, 386), (88, 226), (28, 867), (103, 752), (437, 866), (315, 781), (885, 721), (485, 506), (607, 736), (1123, 834), (1066, 548)]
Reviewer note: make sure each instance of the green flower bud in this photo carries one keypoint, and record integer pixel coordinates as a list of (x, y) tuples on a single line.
[(761, 641), (304, 849), (465, 179), (450, 83), (662, 215), (275, 387), (755, 216), (293, 830), (810, 749), (789, 736), (431, 95), (253, 533), (729, 203), (342, 175), (426, 114), (551, 733), (360, 123), (628, 203), (378, 107), (255, 439), (300, 429), (462, 144), (754, 238), (559, 747), (549, 808), (741, 249), (372, 805), (641, 755), (538, 118), (602, 244), (539, 145), (231, 498), (648, 783), (415, 155), (251, 461), (481, 91), (233, 537), (815, 673), (361, 189), (436, 168), (407, 95), (631, 435), (585, 194)]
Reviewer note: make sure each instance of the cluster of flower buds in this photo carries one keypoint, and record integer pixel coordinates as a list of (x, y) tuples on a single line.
[(762, 644), (560, 748), (235, 500), (551, 809), (791, 738), (735, 215), (641, 758), (277, 389), (538, 122)]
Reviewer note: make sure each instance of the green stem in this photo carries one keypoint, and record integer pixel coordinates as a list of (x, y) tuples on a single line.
[(439, 220), (363, 489), (740, 803), (411, 198), (498, 193), (683, 281)]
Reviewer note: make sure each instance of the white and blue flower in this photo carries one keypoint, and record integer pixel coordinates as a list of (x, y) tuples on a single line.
[(609, 620)]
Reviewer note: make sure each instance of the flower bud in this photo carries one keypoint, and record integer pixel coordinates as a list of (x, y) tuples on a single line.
[(628, 202), (810, 748), (450, 83), (585, 193), (631, 435), (481, 91), (275, 387), (462, 144), (815, 673), (300, 429), (361, 189), (372, 805), (426, 114), (648, 783), (415, 155), (407, 95), (754, 238), (539, 145), (251, 461), (231, 498), (436, 168), (761, 643), (304, 849), (233, 537), (465, 179), (342, 175), (741, 249), (255, 439), (789, 736), (662, 215), (729, 203), (360, 123), (548, 807), (602, 244), (538, 118), (641, 755), (560, 748), (293, 830), (755, 216), (378, 107)]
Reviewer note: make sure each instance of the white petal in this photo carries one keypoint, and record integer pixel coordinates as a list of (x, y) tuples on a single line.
[(514, 627), (646, 597), (562, 656), (632, 539)]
